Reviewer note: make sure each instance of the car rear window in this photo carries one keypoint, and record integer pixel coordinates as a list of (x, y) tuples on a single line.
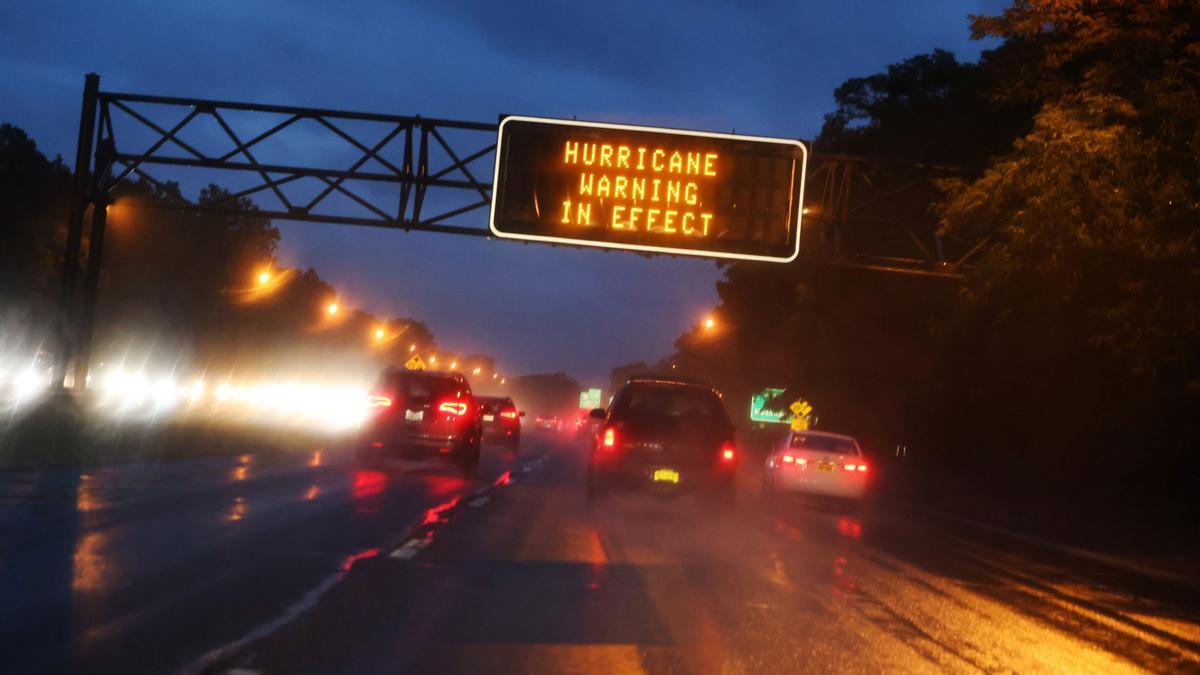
[(666, 402), (416, 389), (822, 443), (492, 404)]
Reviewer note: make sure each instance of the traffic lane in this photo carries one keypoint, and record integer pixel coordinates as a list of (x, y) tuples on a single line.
[(536, 581), (136, 567), (963, 601), (1085, 603)]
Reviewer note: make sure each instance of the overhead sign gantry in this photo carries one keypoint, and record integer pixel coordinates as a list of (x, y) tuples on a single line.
[(645, 189), (648, 189)]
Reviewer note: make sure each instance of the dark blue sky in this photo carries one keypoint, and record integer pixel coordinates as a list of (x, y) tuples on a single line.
[(769, 69)]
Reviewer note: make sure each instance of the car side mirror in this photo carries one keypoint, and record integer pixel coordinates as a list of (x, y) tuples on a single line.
[(597, 414)]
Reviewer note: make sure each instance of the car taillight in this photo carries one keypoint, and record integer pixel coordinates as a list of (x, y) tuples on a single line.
[(791, 459), (509, 414), (456, 408), (610, 439), (728, 452), (380, 401), (855, 467)]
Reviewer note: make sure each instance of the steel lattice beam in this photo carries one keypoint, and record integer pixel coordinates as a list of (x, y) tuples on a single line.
[(860, 212)]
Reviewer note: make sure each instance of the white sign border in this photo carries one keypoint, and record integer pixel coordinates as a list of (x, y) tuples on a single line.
[(641, 247)]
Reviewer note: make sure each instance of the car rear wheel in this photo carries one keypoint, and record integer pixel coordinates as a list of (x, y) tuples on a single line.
[(768, 487), (467, 458)]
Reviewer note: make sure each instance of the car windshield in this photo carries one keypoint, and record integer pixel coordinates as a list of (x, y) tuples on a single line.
[(493, 404), (824, 443)]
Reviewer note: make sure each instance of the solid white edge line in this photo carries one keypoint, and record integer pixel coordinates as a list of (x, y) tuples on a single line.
[(289, 614), (403, 553), (410, 548)]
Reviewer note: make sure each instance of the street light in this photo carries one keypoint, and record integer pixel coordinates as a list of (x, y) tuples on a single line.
[(709, 323), (263, 278), (412, 348), (453, 365), (475, 372), (378, 334), (502, 380), (332, 309)]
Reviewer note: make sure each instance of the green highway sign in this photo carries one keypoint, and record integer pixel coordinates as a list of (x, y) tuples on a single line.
[(589, 398), (759, 411)]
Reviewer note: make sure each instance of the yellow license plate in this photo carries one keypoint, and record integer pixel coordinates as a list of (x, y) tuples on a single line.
[(666, 476), (825, 467)]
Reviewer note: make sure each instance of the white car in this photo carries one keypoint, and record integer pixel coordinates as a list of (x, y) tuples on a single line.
[(816, 462)]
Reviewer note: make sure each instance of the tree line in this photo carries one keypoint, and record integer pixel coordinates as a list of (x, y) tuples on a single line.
[(1068, 358), (184, 289)]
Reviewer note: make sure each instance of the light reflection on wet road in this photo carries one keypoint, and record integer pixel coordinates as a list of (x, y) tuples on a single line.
[(180, 557), (538, 581), (146, 568)]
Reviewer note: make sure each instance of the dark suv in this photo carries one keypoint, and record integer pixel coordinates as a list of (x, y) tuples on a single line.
[(419, 414), (501, 420), (664, 435)]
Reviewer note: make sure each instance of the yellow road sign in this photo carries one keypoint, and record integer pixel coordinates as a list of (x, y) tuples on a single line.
[(800, 408), (799, 424), (415, 363)]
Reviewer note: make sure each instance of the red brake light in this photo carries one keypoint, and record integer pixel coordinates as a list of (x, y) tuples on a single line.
[(380, 401), (509, 414), (788, 459), (855, 467), (456, 408), (727, 452), (610, 438), (862, 468)]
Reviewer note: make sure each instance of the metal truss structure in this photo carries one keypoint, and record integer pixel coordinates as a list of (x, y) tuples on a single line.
[(874, 214), (410, 173)]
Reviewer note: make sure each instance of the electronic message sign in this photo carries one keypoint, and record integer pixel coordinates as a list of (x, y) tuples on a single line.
[(648, 189)]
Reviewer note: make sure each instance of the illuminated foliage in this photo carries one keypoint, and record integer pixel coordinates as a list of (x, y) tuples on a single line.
[(1096, 211), (1074, 344)]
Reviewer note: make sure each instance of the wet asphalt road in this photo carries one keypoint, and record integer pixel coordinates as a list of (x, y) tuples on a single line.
[(146, 568), (305, 565)]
